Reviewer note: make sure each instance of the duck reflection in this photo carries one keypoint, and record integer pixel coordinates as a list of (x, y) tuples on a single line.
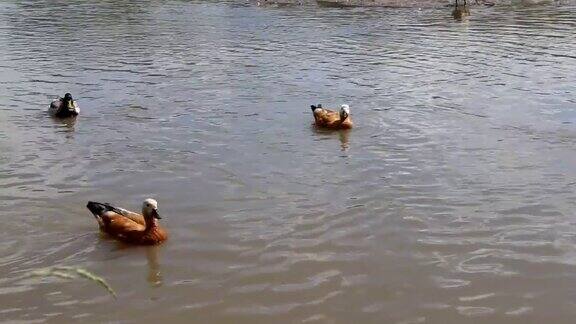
[(343, 136), (461, 12), (154, 276), (67, 124)]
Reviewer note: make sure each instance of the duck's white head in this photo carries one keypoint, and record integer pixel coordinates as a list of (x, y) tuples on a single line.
[(150, 208), (344, 112)]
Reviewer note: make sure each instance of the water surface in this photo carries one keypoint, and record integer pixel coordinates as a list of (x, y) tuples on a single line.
[(451, 202)]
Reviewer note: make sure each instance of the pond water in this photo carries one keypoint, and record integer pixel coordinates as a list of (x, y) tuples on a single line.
[(452, 201)]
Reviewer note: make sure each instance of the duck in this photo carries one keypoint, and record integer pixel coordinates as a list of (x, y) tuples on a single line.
[(64, 107), (331, 119), (130, 227)]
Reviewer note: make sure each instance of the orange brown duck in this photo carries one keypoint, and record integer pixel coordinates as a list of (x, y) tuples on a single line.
[(130, 227), (327, 118)]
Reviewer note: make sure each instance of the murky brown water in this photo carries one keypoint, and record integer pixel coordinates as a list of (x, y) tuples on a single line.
[(453, 201)]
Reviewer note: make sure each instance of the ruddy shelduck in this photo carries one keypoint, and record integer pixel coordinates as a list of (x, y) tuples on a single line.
[(130, 227), (331, 119)]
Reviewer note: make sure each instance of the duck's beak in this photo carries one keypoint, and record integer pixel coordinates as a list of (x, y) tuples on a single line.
[(70, 105), (155, 214)]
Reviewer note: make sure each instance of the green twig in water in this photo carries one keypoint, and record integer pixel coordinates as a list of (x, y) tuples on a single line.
[(73, 273)]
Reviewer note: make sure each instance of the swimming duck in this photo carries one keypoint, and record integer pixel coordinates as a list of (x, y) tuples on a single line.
[(127, 226), (331, 119), (64, 107)]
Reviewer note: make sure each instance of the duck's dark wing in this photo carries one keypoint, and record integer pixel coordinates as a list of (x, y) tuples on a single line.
[(55, 107), (56, 104), (99, 209)]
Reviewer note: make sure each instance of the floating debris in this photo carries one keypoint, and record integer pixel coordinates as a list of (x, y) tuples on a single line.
[(65, 272)]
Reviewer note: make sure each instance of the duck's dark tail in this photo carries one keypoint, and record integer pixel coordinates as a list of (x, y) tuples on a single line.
[(100, 208), (318, 106), (97, 208)]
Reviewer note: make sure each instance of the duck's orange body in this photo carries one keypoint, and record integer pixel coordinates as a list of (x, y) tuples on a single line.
[(127, 226), (327, 118)]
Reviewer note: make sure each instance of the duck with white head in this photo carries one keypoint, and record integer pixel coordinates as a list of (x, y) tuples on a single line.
[(130, 227), (326, 118)]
